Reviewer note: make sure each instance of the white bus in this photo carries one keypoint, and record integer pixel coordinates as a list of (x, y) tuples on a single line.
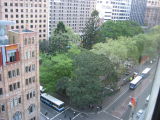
[(145, 72), (135, 82), (52, 102)]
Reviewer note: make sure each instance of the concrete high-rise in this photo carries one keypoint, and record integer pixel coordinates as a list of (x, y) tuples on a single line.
[(19, 74), (152, 15), (32, 14), (73, 13), (138, 8), (114, 9)]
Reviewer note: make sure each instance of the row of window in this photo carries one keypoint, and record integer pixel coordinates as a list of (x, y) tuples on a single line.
[(22, 26), (14, 86), (30, 68), (31, 95), (44, 35), (15, 102), (13, 73), (26, 16), (27, 10), (30, 80), (28, 41), (25, 5)]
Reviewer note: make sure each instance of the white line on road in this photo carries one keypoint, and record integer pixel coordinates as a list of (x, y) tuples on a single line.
[(115, 100), (59, 113), (76, 116), (113, 116), (44, 116)]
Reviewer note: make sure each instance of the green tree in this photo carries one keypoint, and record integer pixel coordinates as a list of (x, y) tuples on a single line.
[(111, 29), (60, 28), (91, 73), (91, 33), (55, 71), (62, 39)]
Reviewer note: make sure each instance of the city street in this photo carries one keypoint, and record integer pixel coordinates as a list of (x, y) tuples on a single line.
[(118, 109)]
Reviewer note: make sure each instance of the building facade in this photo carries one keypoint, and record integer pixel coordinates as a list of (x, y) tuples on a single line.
[(31, 13), (19, 76), (73, 13), (138, 8), (114, 9), (152, 15)]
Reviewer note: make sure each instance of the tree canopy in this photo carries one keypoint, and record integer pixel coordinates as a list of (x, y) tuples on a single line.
[(62, 39), (111, 29), (86, 86), (91, 33)]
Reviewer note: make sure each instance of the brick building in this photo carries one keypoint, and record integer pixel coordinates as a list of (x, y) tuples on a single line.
[(19, 75)]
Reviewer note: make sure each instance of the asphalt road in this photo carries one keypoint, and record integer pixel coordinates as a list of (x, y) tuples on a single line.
[(118, 109)]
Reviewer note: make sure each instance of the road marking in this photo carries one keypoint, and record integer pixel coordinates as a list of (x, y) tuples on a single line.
[(115, 100), (60, 113), (113, 116), (44, 116), (76, 116)]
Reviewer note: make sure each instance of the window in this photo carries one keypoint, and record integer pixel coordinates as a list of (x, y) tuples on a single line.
[(9, 74), (11, 56), (26, 69), (29, 68), (18, 85), (26, 81), (25, 41), (33, 67), (5, 4), (10, 88), (19, 100), (28, 96), (6, 16), (6, 10), (34, 94), (2, 107), (14, 86), (16, 4), (31, 108), (32, 40), (14, 73), (17, 116), (33, 55), (30, 80), (1, 91), (18, 72), (29, 40)]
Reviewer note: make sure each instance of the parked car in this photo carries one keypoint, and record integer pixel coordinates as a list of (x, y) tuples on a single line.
[(147, 99), (139, 113)]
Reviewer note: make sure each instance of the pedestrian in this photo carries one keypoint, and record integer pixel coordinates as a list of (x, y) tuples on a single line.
[(100, 107), (97, 108), (70, 118), (92, 106), (46, 113), (74, 113)]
